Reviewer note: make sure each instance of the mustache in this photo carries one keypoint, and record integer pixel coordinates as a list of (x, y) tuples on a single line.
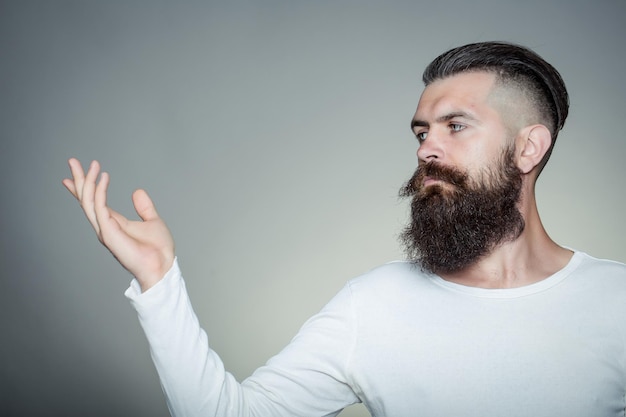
[(435, 171)]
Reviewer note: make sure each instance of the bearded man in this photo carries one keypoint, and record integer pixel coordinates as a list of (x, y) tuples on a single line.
[(488, 317)]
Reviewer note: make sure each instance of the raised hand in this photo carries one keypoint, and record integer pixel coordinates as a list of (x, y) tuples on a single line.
[(145, 248)]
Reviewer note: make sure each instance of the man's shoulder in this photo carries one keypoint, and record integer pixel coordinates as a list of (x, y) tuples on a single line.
[(600, 276), (592, 265), (392, 276)]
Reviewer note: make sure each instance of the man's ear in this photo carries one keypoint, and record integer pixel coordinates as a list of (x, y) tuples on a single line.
[(533, 143)]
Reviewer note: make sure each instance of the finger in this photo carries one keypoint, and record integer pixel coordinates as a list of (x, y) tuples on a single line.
[(102, 212), (105, 213), (119, 218), (113, 226), (88, 192), (78, 177), (144, 206), (71, 187)]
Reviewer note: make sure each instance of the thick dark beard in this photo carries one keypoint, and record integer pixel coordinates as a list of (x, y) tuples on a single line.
[(455, 225)]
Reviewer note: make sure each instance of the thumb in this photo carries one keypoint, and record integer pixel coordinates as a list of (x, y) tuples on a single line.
[(144, 205)]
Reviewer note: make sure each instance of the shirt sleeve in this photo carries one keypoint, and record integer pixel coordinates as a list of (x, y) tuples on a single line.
[(308, 378)]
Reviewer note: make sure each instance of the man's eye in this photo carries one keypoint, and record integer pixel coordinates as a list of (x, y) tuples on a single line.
[(455, 127), (421, 136)]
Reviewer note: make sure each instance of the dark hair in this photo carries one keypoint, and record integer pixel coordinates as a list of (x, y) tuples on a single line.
[(511, 63)]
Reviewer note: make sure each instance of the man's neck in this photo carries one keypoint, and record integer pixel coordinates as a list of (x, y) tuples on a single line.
[(530, 258)]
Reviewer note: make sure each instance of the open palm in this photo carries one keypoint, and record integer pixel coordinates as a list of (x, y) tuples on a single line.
[(145, 247)]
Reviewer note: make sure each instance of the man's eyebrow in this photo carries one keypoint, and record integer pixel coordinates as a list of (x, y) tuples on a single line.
[(445, 118), (418, 123)]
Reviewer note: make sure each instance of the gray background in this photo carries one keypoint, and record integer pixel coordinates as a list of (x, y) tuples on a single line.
[(273, 136)]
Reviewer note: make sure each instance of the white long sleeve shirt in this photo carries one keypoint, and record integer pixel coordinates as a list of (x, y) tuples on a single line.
[(410, 344)]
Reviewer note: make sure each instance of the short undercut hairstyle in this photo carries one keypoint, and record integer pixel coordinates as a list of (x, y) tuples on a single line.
[(513, 65)]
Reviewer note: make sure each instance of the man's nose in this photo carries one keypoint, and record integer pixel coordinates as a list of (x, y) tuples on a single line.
[(431, 147)]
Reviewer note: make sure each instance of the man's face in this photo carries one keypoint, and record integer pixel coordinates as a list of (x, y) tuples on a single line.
[(467, 186), (457, 125)]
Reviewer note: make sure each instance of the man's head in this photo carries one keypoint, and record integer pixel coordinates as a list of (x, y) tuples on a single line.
[(487, 118), (529, 89)]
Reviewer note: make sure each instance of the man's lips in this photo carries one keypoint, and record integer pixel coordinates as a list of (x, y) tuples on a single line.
[(431, 181)]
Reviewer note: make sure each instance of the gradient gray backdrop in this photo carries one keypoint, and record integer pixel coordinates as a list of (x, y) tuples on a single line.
[(273, 136)]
